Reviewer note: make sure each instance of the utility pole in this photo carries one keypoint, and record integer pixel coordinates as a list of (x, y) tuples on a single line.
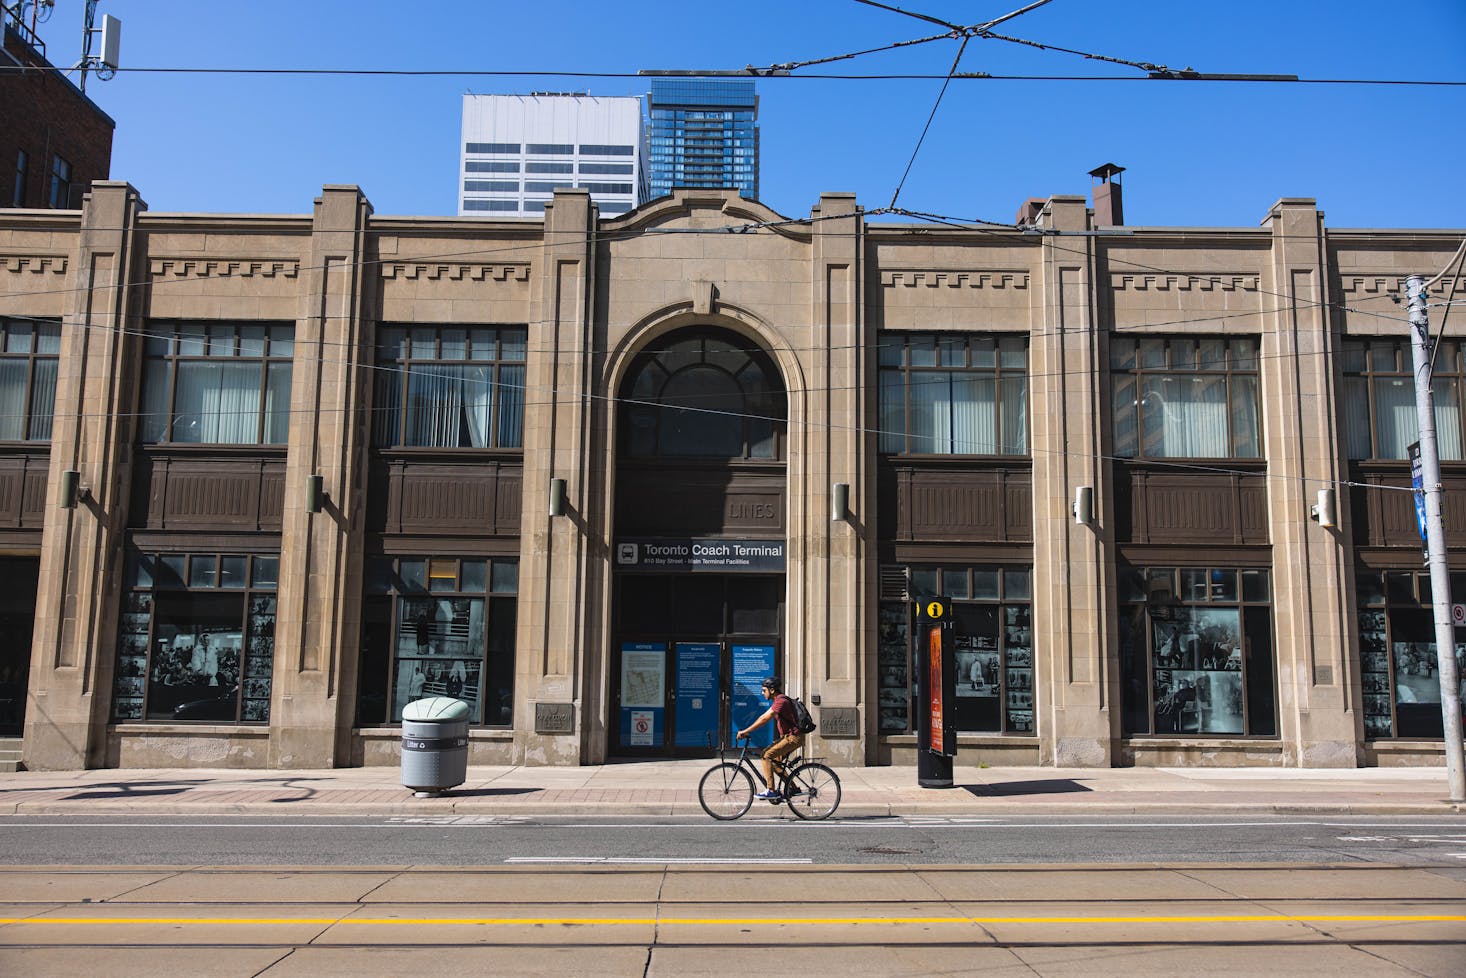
[(1435, 539)]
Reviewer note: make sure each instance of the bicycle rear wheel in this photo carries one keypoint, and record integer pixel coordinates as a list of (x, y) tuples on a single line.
[(725, 792), (819, 791)]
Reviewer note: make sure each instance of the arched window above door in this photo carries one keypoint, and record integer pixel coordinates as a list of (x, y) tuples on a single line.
[(706, 393)]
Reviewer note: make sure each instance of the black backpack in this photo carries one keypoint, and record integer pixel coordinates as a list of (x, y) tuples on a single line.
[(802, 718)]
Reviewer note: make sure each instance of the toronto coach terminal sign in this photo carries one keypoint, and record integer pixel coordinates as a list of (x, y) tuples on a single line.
[(723, 556)]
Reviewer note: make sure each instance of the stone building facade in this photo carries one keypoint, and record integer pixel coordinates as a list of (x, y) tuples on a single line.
[(578, 472)]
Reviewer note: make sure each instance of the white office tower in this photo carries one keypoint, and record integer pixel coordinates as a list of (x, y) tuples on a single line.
[(517, 149)]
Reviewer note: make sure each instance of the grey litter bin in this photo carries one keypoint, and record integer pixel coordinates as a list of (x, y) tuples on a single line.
[(434, 745)]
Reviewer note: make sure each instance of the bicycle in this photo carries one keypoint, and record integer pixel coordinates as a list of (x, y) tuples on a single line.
[(809, 788)]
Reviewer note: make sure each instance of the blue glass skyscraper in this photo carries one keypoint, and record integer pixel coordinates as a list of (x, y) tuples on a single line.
[(703, 132)]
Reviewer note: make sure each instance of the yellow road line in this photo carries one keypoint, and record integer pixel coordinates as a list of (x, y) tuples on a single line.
[(731, 921)]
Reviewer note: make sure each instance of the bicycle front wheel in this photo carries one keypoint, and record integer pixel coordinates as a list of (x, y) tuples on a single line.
[(725, 792), (819, 791)]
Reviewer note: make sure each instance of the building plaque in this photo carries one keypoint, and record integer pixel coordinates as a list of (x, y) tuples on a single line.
[(554, 718), (839, 721)]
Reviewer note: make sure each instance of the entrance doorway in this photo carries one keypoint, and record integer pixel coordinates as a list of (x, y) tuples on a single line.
[(691, 654), (17, 620)]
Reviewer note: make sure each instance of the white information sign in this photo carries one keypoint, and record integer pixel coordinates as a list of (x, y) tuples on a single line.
[(642, 723)]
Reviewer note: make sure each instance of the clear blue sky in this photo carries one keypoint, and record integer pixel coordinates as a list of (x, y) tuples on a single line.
[(1196, 153)]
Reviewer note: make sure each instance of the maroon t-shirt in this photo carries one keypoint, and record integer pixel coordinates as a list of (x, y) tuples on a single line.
[(785, 720)]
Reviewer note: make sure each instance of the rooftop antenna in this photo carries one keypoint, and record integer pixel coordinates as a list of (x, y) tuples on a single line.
[(105, 61)]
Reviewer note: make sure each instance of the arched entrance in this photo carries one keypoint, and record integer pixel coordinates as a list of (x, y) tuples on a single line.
[(700, 541)]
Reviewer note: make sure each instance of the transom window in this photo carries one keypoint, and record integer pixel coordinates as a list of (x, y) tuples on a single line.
[(954, 394), (991, 607), (439, 626), (1185, 397), (29, 355), (216, 383), (707, 395), (450, 387), (1399, 669), (1380, 420), (196, 640), (1196, 651)]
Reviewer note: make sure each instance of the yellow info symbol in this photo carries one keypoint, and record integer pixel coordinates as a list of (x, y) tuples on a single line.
[(935, 610)]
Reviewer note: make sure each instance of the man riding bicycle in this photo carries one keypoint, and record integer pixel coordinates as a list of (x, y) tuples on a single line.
[(787, 741)]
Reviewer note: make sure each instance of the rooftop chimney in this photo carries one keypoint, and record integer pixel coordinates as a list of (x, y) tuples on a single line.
[(1029, 211), (1108, 209)]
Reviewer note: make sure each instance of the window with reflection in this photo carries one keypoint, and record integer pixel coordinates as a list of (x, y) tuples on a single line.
[(450, 387), (1399, 669), (439, 626), (1185, 397), (29, 355), (704, 394), (216, 383), (1380, 419), (991, 609), (1196, 651), (954, 394), (196, 638)]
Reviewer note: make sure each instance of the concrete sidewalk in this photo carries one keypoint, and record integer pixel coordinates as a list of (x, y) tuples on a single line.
[(670, 788)]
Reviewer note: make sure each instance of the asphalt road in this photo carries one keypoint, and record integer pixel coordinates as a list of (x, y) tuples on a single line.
[(760, 838)]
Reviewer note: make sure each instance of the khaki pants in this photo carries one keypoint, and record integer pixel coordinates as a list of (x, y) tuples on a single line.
[(776, 753)]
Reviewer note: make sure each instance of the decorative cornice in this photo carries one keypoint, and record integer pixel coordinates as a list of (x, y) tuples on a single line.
[(953, 278), (1382, 284), (456, 271), (224, 267), (35, 264), (1182, 282)]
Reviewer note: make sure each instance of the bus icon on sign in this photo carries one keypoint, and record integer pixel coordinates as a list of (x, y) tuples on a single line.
[(626, 553)]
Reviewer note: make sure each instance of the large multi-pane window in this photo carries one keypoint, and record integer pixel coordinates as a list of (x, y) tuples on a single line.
[(1196, 651), (954, 394), (29, 355), (1380, 420), (450, 387), (991, 608), (216, 383), (1185, 397), (439, 626), (196, 640), (1399, 669), (710, 394)]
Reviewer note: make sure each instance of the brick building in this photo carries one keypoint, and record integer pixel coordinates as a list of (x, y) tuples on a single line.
[(54, 141)]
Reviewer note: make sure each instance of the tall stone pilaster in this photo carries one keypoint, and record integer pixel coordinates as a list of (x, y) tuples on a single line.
[(1310, 602), (73, 650), (321, 553), (828, 564), (555, 618), (1071, 616)]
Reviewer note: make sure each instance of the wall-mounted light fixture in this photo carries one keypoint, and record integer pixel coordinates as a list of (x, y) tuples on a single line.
[(840, 502), (1083, 505), (315, 494), (557, 497), (1325, 511), (72, 489)]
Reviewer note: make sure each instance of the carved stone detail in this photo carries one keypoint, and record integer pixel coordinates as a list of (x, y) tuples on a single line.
[(954, 278), (839, 721), (35, 264), (1174, 282), (456, 271), (224, 267)]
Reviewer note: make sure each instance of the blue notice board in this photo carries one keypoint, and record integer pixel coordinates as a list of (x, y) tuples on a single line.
[(643, 694), (697, 693), (752, 664)]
